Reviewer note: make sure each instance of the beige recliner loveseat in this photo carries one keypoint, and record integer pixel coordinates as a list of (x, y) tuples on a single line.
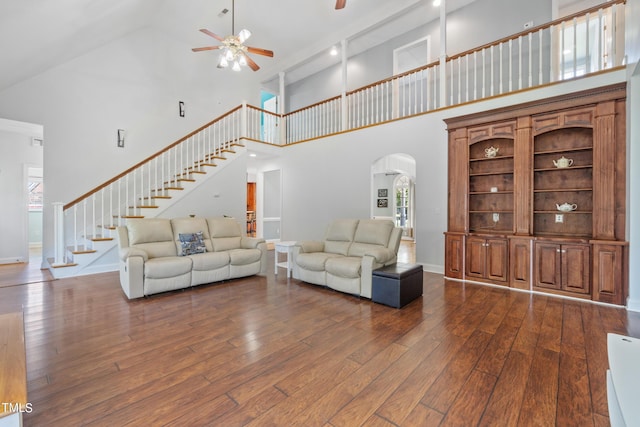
[(350, 251), (159, 255)]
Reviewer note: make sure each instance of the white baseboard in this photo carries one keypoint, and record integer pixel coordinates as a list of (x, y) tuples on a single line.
[(12, 260), (633, 304), (432, 268)]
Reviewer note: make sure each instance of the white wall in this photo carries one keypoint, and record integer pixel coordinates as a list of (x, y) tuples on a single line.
[(133, 83), (16, 155)]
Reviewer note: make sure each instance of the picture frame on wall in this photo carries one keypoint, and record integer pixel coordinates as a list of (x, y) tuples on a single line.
[(382, 192), (383, 203)]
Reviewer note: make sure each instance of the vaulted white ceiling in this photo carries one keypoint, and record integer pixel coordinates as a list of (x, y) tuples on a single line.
[(36, 35)]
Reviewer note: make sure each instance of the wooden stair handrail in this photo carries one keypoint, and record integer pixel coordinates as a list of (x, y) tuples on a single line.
[(153, 156)]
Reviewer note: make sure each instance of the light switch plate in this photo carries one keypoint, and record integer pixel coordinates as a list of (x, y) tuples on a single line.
[(559, 218)]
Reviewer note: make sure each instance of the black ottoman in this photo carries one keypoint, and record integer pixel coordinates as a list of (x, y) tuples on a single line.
[(396, 285)]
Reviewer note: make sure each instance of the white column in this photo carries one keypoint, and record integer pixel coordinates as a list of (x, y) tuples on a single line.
[(343, 106), (58, 234), (443, 53), (281, 110)]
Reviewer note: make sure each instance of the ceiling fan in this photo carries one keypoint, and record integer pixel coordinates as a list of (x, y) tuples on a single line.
[(232, 48), (340, 4)]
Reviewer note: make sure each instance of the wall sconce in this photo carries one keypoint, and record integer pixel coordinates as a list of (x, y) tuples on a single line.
[(181, 108), (121, 138)]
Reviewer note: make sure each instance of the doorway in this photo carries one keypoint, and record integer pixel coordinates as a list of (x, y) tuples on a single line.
[(393, 196), (35, 192)]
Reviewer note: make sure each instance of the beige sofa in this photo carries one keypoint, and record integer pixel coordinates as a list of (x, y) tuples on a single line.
[(159, 255), (350, 251)]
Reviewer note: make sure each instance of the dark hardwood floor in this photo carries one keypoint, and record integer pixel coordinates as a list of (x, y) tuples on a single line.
[(267, 351)]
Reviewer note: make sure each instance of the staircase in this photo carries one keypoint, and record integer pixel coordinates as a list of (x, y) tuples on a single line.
[(85, 228)]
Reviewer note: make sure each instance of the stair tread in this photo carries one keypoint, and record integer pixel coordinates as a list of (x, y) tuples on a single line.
[(81, 250), (99, 238), (66, 264)]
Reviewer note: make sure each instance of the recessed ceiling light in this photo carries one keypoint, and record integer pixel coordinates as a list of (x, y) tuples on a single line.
[(252, 154), (436, 3), (333, 51)]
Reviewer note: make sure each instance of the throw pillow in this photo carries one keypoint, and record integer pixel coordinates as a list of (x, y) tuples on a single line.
[(192, 243)]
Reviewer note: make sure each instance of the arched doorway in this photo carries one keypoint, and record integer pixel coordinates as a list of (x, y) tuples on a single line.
[(393, 180)]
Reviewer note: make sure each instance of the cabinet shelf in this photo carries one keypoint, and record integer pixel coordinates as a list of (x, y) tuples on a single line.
[(491, 173), (559, 212), (562, 190), (497, 232), (483, 159), (471, 193), (554, 169), (492, 211), (563, 236), (563, 150)]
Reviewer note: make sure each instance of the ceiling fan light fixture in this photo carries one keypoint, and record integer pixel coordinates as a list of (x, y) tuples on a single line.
[(222, 61), (232, 49), (244, 35)]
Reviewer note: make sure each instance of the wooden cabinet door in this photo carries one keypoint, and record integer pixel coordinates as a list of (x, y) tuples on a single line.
[(476, 257), (497, 255), (454, 255), (575, 268), (609, 260), (520, 263), (548, 271)]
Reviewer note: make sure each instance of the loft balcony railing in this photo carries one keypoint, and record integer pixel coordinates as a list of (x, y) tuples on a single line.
[(577, 45), (585, 43)]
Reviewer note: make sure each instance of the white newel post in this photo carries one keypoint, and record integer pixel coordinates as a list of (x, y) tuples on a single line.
[(58, 233)]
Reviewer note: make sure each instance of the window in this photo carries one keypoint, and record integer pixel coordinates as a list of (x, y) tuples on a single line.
[(585, 45), (404, 204)]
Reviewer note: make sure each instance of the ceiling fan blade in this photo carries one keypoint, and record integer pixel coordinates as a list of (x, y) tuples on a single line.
[(214, 35), (251, 63), (259, 51), (200, 49), (340, 4)]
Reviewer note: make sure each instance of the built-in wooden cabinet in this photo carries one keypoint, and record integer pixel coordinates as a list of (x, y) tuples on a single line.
[(537, 196), (562, 267), (487, 258)]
